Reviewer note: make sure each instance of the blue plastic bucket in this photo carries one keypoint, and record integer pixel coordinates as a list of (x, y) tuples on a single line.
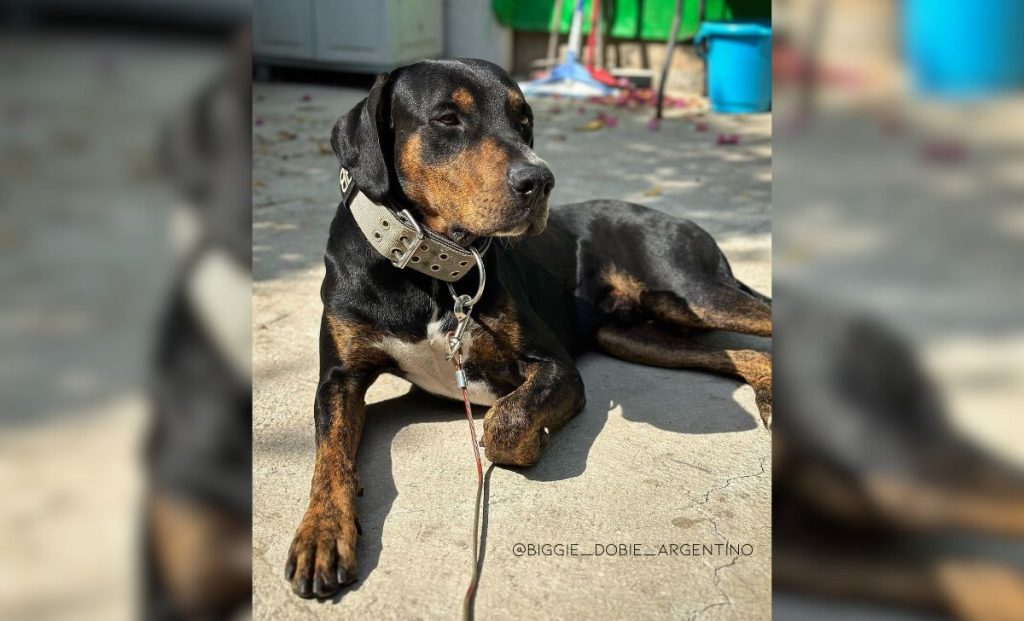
[(739, 59), (964, 49)]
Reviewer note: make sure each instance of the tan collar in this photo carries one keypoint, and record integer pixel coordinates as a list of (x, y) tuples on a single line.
[(398, 237)]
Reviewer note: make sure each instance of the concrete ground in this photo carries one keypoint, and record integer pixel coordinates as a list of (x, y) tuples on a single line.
[(658, 457)]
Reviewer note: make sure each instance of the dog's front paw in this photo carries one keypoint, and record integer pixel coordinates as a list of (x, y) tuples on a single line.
[(507, 444), (322, 558)]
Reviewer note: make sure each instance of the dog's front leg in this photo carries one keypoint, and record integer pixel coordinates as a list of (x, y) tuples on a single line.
[(516, 426), (322, 557)]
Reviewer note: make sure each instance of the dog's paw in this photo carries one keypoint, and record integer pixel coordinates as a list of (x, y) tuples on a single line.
[(507, 445), (763, 399), (322, 557)]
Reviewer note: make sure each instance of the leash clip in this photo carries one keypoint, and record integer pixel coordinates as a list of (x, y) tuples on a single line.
[(464, 306)]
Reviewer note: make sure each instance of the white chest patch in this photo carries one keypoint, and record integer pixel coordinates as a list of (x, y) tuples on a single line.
[(424, 363)]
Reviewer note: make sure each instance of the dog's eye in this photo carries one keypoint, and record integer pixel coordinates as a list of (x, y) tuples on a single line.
[(448, 119), (525, 120)]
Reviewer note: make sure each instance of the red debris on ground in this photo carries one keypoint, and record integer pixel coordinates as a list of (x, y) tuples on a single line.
[(607, 119), (728, 139), (637, 98)]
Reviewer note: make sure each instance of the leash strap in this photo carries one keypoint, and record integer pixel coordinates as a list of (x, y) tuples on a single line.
[(474, 580), (398, 237), (463, 308)]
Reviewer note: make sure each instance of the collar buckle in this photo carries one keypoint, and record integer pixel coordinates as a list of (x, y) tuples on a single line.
[(401, 260)]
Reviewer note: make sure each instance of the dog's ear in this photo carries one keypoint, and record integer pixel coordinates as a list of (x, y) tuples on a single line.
[(358, 141)]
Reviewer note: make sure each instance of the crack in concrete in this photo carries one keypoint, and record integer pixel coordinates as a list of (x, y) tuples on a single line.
[(694, 615), (728, 482), (707, 498), (717, 582)]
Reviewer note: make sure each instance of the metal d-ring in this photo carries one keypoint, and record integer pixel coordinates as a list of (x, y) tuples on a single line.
[(480, 289), (464, 306)]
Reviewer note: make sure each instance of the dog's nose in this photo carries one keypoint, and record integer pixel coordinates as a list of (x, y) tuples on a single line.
[(530, 180)]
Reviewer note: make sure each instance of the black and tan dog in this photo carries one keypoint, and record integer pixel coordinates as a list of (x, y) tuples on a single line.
[(451, 142)]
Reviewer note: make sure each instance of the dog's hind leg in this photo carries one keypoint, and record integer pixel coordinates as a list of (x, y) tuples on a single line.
[(757, 295), (702, 302), (655, 345), (715, 307)]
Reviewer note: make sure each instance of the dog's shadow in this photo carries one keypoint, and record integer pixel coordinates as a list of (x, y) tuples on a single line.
[(678, 401), (689, 402)]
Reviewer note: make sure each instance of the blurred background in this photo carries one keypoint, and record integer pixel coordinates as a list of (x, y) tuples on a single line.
[(899, 258), (118, 176)]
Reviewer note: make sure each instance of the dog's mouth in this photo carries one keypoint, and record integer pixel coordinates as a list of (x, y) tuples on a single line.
[(532, 222), (524, 228), (513, 231), (526, 222)]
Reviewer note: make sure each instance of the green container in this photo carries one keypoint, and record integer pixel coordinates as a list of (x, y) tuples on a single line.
[(630, 19)]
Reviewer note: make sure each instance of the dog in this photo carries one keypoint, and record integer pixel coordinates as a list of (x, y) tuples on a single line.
[(437, 160)]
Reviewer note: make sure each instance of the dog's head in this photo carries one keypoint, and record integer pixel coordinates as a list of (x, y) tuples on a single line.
[(453, 139)]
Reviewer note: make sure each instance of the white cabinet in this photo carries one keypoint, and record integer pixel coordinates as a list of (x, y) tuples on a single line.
[(283, 28), (350, 30), (416, 28), (355, 35)]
